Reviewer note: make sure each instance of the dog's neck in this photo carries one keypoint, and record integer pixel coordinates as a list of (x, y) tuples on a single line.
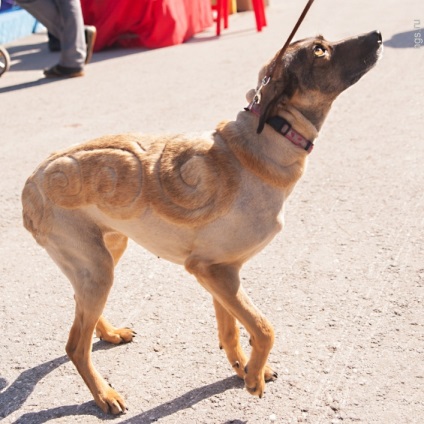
[(287, 122), (298, 121)]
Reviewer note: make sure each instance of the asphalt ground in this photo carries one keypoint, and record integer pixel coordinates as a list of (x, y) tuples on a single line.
[(342, 285)]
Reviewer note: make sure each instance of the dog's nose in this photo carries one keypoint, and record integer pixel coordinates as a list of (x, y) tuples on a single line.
[(377, 35)]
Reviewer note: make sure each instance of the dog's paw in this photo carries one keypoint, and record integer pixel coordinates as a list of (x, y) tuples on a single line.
[(270, 374), (110, 401), (238, 367), (117, 336), (255, 385)]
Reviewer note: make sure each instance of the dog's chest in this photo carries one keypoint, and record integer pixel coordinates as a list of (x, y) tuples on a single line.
[(249, 225)]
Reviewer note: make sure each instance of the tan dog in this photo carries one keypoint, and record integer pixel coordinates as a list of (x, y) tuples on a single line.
[(209, 202)]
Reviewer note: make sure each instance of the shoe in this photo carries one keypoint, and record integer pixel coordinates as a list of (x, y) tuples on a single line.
[(90, 38), (59, 71)]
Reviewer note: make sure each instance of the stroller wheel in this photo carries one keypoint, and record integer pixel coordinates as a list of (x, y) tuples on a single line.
[(4, 60)]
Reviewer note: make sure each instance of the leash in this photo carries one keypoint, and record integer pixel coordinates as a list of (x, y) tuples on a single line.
[(292, 34), (267, 78)]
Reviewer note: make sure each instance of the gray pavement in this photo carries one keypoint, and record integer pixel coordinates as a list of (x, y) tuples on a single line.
[(342, 285)]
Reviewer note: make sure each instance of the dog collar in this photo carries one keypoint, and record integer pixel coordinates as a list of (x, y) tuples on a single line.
[(283, 127)]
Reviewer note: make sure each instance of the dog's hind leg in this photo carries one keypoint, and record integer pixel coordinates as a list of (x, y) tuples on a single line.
[(78, 349), (223, 282), (107, 332), (116, 243), (77, 246)]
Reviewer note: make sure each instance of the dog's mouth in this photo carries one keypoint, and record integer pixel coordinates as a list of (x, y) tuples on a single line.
[(368, 63), (362, 55), (380, 47)]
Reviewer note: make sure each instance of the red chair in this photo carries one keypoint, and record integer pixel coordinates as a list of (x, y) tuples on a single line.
[(222, 11), (259, 8)]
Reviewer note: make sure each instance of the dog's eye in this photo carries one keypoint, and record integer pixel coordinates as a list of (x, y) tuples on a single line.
[(319, 51)]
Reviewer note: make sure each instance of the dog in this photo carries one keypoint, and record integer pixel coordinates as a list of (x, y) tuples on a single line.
[(207, 202)]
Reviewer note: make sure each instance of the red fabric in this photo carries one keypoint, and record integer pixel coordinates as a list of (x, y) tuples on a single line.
[(146, 23)]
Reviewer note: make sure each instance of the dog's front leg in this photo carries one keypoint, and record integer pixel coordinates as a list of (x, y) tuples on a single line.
[(223, 282), (229, 338)]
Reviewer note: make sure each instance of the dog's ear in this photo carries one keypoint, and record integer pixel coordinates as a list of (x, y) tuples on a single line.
[(282, 85)]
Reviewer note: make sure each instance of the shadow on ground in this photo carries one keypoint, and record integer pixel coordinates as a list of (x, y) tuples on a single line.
[(14, 396), (37, 57), (406, 40), (187, 400)]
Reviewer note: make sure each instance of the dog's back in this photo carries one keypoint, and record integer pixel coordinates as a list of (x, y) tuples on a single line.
[(189, 182)]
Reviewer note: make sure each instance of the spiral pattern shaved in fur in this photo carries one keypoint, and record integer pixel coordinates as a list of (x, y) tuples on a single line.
[(186, 181), (192, 183), (109, 178)]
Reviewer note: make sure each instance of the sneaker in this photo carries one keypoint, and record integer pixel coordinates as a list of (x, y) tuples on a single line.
[(90, 39), (59, 71)]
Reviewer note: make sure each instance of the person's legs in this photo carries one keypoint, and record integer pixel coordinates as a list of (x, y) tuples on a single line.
[(53, 43), (63, 18), (46, 12), (72, 38)]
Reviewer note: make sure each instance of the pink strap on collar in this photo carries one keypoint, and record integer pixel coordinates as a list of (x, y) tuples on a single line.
[(283, 127)]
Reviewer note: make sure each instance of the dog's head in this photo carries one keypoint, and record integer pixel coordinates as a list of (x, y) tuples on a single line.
[(313, 72)]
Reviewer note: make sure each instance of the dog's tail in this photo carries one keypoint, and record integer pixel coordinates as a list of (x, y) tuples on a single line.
[(34, 211)]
